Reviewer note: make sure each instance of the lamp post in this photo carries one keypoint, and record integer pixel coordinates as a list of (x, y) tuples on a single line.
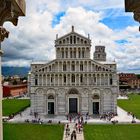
[(133, 6), (10, 10)]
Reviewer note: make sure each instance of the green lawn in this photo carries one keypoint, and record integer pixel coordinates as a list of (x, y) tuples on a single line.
[(11, 106), (131, 105), (112, 132), (33, 132)]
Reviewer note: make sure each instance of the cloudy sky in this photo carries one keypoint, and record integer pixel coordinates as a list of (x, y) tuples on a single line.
[(106, 22)]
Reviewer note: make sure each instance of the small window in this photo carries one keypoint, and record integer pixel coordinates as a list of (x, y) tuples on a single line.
[(64, 67), (81, 79), (74, 39), (81, 67), (70, 39), (79, 54), (66, 54), (60, 42), (73, 67), (71, 54), (64, 78), (63, 41), (78, 40), (110, 81), (62, 54), (36, 82), (51, 79), (67, 40), (83, 54), (74, 54), (95, 79), (50, 68), (73, 79)]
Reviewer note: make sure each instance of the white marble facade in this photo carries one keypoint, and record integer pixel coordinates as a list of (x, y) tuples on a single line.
[(73, 82)]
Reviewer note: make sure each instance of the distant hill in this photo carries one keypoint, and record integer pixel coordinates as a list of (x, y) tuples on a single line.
[(10, 71)]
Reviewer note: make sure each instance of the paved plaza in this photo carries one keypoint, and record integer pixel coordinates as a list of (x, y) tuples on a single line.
[(122, 117)]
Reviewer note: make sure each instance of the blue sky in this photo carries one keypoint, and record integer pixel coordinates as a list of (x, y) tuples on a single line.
[(57, 18), (107, 23)]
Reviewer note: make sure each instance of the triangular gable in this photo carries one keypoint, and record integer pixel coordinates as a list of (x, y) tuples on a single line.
[(80, 39)]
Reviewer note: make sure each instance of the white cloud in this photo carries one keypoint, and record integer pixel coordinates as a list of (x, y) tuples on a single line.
[(96, 4), (33, 38)]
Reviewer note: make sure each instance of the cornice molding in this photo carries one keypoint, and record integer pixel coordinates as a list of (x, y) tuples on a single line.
[(10, 10), (133, 6)]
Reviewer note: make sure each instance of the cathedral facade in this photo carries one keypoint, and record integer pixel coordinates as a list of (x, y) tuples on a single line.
[(73, 82)]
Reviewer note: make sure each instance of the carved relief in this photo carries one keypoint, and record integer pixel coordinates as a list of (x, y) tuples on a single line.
[(61, 92), (3, 33), (50, 91), (10, 10), (96, 91), (73, 91), (39, 91), (107, 91)]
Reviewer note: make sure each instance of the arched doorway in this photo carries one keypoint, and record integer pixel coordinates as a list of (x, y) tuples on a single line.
[(73, 101), (96, 104), (50, 104)]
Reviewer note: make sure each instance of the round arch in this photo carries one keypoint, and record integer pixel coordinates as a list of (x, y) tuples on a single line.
[(96, 91), (39, 91), (95, 97), (50, 91), (73, 91)]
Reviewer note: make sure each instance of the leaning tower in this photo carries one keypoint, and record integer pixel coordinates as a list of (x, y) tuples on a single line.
[(99, 54)]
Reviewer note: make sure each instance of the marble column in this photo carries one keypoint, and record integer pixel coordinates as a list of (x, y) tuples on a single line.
[(54, 80), (108, 80), (42, 80), (58, 67), (96, 79), (66, 79), (58, 79), (62, 79), (75, 79), (46, 80), (10, 10), (70, 79), (38, 80), (79, 80), (87, 80), (100, 79), (50, 80)]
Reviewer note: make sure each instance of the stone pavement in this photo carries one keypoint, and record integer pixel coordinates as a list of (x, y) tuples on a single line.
[(80, 136), (122, 117)]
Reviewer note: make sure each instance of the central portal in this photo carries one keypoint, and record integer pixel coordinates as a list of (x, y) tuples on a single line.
[(95, 107), (73, 105), (50, 107)]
